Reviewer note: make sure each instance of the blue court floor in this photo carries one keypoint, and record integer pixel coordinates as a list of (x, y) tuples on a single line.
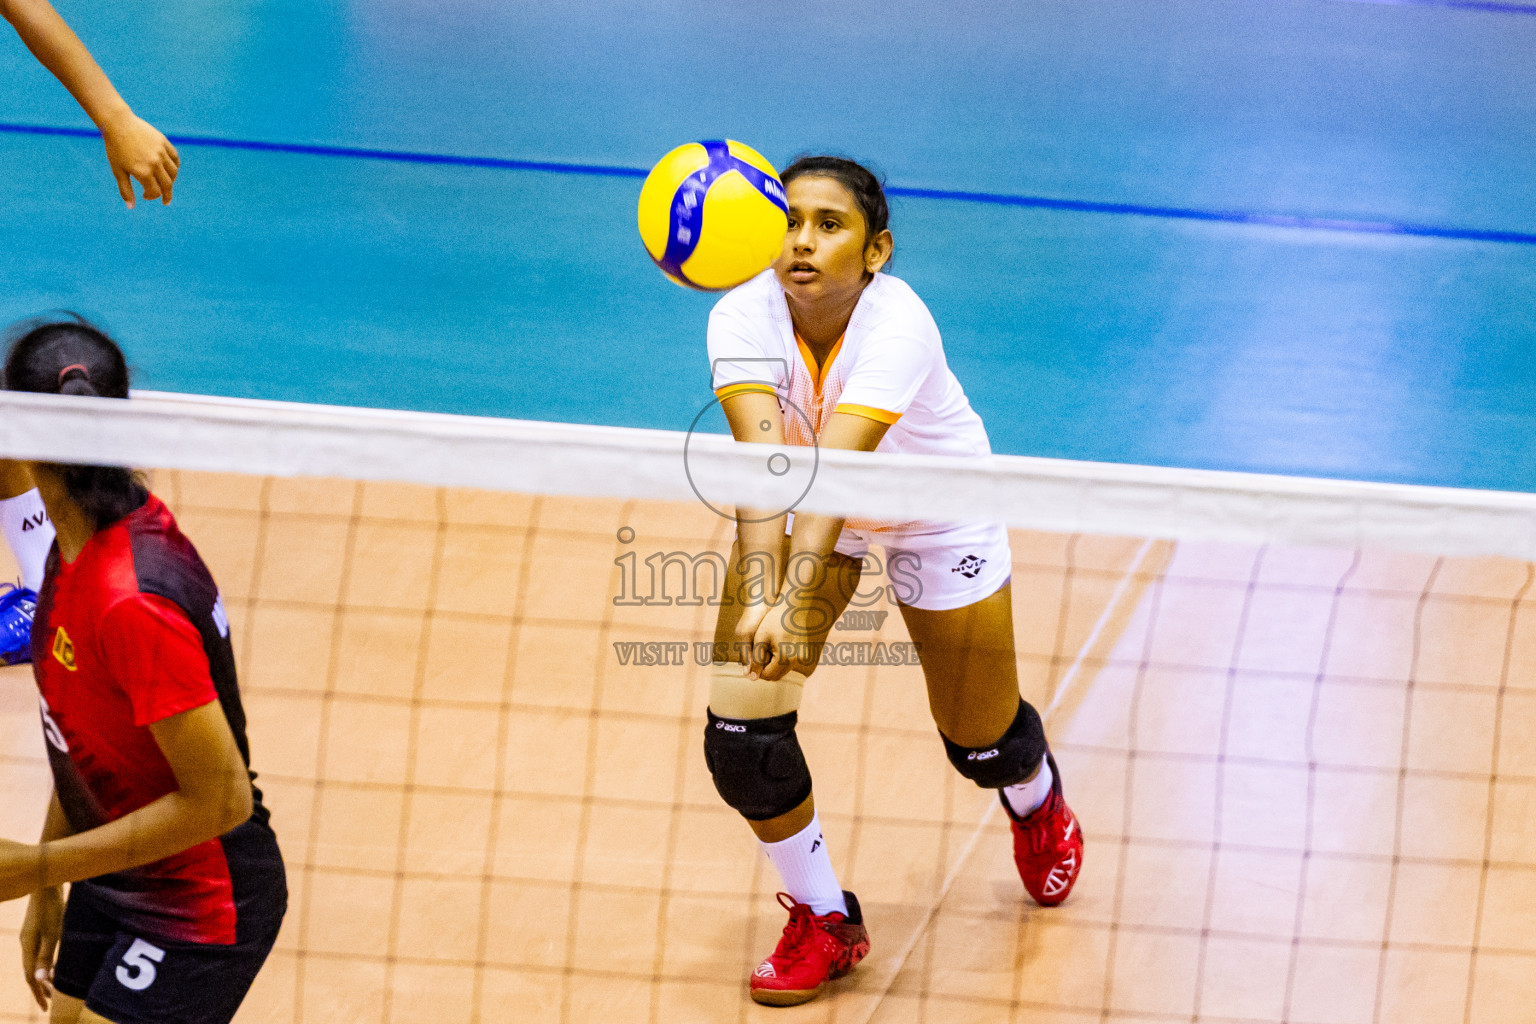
[(1294, 236)]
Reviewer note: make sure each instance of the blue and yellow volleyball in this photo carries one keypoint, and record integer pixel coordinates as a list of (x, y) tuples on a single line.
[(713, 214)]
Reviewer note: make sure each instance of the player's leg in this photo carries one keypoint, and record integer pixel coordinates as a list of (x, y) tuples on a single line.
[(64, 1009), (27, 530), (992, 735), (24, 522), (69, 1010), (86, 938), (758, 768)]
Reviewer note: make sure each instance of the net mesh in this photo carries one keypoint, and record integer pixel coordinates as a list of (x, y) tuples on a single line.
[(1306, 776)]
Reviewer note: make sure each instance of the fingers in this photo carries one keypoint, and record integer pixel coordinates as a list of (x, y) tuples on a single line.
[(169, 168), (29, 962), (770, 662), (151, 184), (47, 947), (145, 156), (762, 652), (777, 666), (41, 983), (38, 976), (124, 186)]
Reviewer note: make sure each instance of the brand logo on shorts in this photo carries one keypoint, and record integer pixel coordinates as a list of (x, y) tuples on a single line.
[(970, 566), (64, 649), (982, 755), (728, 727)]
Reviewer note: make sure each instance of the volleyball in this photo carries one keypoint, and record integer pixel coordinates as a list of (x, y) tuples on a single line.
[(713, 214)]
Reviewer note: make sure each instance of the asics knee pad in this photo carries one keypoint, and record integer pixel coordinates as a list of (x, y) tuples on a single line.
[(757, 764), (1012, 759)]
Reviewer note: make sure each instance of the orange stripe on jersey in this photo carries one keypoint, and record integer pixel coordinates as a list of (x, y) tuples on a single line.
[(818, 376), (732, 390), (869, 413)]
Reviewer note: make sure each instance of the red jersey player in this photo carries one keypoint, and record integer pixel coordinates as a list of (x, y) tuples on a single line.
[(178, 885)]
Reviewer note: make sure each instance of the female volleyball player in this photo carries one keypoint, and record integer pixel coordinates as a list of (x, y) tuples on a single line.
[(178, 886), (135, 149), (824, 349)]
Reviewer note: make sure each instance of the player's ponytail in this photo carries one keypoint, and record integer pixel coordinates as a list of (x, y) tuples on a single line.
[(71, 356)]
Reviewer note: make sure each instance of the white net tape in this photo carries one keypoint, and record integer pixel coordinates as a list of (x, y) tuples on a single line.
[(286, 439)]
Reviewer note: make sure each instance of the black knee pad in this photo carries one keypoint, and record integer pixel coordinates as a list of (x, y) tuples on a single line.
[(1012, 759), (757, 764)]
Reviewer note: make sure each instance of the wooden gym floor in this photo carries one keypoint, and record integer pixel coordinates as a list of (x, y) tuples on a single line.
[(1307, 779)]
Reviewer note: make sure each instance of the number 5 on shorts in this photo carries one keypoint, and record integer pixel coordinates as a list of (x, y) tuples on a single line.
[(142, 957)]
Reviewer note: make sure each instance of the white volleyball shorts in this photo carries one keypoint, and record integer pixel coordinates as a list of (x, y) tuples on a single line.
[(948, 567)]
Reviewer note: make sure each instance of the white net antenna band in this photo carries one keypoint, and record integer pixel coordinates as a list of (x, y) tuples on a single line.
[(171, 431)]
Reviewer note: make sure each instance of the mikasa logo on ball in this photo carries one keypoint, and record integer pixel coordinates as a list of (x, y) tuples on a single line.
[(713, 214)]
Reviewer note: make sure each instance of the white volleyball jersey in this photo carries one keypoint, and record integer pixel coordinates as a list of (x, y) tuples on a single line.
[(888, 366)]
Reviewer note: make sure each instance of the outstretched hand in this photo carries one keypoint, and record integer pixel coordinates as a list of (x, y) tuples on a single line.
[(137, 149)]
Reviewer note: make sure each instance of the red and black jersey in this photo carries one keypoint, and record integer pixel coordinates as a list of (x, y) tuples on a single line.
[(130, 633)]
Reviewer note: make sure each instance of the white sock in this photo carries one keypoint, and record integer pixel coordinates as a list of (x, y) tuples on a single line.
[(29, 532), (1026, 797), (807, 870)]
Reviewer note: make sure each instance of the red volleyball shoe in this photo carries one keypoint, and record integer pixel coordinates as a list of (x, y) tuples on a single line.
[(1047, 845), (813, 950)]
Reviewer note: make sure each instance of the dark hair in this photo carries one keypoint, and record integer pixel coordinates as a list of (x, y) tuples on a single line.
[(867, 188), (68, 355)]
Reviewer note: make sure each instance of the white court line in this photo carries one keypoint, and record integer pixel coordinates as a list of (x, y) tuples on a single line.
[(1067, 679)]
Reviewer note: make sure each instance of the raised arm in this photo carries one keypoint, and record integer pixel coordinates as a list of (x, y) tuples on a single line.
[(135, 149)]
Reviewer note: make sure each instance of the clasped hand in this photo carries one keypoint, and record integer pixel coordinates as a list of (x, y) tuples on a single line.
[(777, 646)]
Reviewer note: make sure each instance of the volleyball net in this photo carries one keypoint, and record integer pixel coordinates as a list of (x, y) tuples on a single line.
[(1296, 718)]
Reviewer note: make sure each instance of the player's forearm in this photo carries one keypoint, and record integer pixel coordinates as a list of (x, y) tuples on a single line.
[(754, 418), (816, 535), (55, 825), (814, 538), (169, 825), (58, 49), (763, 540)]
